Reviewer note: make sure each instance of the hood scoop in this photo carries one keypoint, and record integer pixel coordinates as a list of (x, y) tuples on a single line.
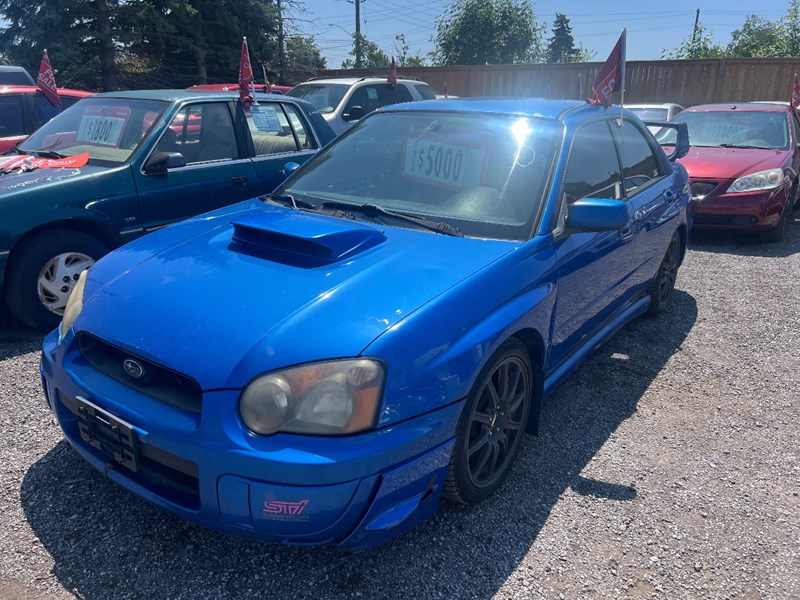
[(300, 238)]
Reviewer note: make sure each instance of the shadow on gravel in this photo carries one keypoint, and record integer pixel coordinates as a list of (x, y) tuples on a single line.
[(16, 338), (106, 543), (748, 244)]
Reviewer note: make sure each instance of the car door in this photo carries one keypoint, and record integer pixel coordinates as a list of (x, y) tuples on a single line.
[(594, 267), (650, 194), (280, 135), (218, 170)]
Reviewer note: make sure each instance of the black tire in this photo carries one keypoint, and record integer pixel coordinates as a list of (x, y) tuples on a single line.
[(492, 425), (661, 289), (27, 266), (777, 233)]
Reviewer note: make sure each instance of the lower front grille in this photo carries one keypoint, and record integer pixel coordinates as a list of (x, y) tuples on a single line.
[(169, 476), (148, 378), (726, 220)]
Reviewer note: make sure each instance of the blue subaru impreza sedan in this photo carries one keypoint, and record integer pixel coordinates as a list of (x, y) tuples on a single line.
[(322, 365)]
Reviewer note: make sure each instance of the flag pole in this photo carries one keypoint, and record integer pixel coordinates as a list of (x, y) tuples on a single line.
[(622, 87)]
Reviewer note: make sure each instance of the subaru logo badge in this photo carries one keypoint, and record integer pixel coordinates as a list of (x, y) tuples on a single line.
[(133, 368)]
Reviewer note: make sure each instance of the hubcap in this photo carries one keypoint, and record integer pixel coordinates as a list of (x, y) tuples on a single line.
[(496, 424), (58, 277)]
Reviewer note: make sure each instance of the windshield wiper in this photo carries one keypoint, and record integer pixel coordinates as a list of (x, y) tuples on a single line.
[(289, 200), (744, 146), (372, 210), (16, 151), (48, 154)]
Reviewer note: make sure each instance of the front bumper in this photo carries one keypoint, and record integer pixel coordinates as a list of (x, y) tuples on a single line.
[(355, 491), (745, 211)]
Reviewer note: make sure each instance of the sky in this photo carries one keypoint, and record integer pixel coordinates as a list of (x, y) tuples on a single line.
[(652, 26)]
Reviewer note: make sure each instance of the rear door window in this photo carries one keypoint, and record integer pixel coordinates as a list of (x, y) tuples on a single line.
[(393, 95), (270, 129), (639, 163)]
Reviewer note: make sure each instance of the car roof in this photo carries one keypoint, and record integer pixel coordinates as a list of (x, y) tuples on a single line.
[(756, 106), (537, 107), (32, 89), (653, 105), (352, 80), (181, 95)]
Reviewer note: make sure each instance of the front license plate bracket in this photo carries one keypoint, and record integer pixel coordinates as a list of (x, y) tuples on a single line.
[(110, 435)]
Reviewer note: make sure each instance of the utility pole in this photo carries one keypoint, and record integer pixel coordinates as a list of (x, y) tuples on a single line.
[(281, 42), (359, 57), (696, 31)]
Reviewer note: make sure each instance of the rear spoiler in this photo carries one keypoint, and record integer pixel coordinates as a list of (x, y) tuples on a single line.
[(682, 142)]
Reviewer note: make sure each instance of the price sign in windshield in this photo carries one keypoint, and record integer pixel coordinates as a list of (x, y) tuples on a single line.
[(96, 129), (450, 164)]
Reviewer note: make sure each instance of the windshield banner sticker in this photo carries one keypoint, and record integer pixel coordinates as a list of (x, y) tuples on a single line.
[(103, 125), (26, 162), (457, 165)]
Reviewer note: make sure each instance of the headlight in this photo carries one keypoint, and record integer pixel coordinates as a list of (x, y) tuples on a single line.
[(763, 180), (330, 398), (74, 305)]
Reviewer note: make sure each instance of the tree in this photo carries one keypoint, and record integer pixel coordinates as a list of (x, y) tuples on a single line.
[(700, 44), (561, 47), (372, 55), (303, 54), (105, 44), (790, 24), (403, 57), (483, 32), (757, 37), (77, 33)]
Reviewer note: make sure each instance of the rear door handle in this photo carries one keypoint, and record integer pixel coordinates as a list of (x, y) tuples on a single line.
[(669, 196), (241, 180)]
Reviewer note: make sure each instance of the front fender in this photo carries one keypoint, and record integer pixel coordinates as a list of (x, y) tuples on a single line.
[(435, 354)]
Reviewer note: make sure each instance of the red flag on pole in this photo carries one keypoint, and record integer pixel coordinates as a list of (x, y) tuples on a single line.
[(795, 102), (611, 76), (46, 81), (392, 77), (246, 78)]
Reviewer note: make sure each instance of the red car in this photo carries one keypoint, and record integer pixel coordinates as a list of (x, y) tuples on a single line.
[(743, 166), (23, 109), (232, 87)]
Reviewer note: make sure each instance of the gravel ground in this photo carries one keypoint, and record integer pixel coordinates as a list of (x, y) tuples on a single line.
[(667, 467)]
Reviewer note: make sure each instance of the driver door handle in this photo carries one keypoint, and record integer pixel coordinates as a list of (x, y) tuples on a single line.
[(240, 180)]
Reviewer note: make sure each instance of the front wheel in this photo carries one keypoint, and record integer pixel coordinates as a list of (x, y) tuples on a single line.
[(43, 271), (491, 426), (777, 233), (663, 285)]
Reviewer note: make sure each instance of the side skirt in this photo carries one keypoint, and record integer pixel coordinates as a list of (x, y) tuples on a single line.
[(552, 380)]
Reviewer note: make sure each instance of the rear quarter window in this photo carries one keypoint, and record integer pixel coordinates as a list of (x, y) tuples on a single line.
[(425, 91)]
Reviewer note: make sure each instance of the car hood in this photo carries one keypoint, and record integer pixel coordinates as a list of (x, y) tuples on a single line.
[(730, 163), (202, 302), (17, 182)]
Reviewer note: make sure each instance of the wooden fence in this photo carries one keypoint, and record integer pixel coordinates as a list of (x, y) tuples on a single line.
[(686, 82)]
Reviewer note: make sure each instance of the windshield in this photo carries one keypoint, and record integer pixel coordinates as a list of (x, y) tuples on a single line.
[(324, 96), (485, 174), (109, 129), (742, 128), (650, 114)]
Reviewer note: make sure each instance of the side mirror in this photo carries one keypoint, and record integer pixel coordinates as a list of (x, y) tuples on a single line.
[(356, 113), (597, 214), (289, 168), (161, 162), (682, 137)]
